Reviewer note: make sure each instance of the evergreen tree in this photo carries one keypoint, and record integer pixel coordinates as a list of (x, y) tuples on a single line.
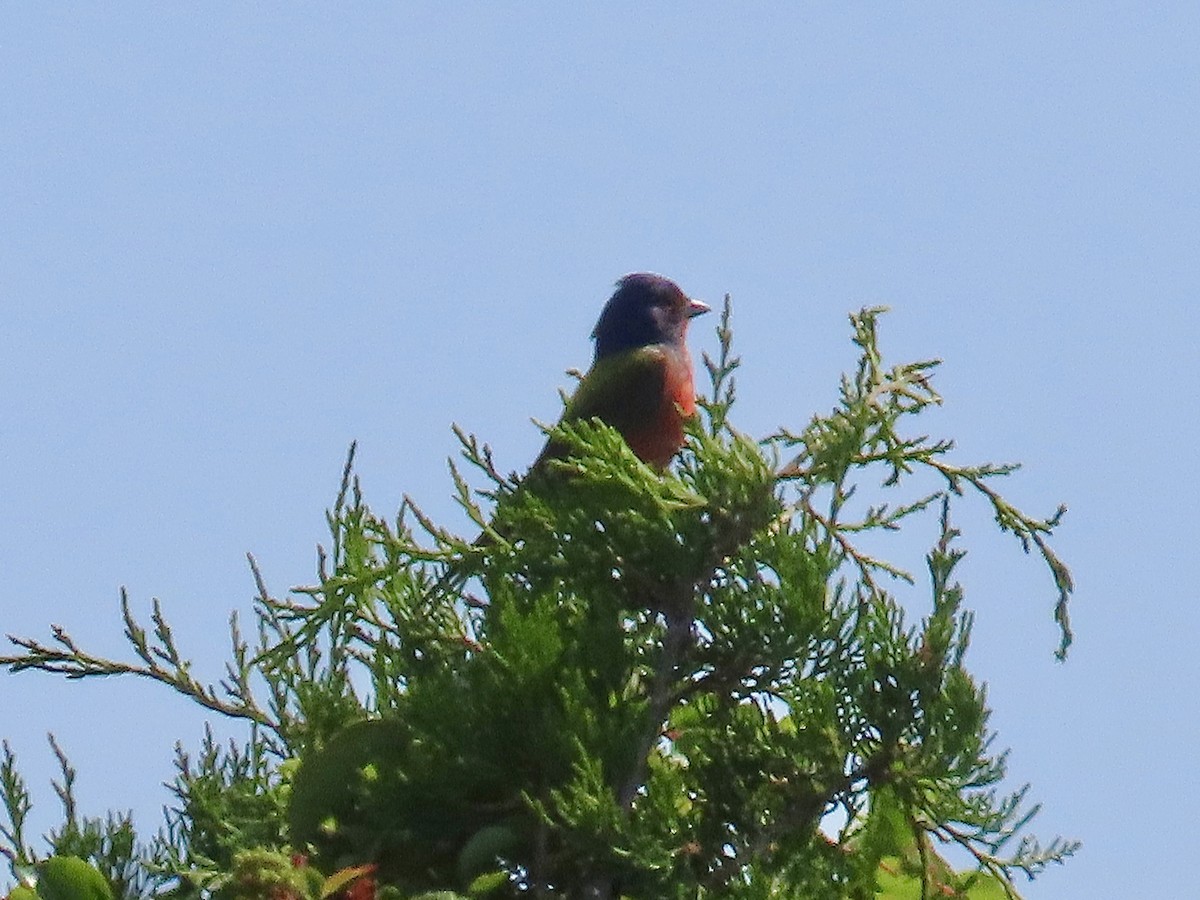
[(648, 685)]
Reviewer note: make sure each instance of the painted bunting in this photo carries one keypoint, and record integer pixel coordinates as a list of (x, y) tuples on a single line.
[(641, 380)]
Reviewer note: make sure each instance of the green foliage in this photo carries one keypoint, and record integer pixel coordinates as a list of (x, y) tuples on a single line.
[(71, 878), (89, 858), (259, 874), (648, 685), (229, 798)]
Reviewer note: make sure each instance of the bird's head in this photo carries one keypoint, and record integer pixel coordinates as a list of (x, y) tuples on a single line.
[(646, 309)]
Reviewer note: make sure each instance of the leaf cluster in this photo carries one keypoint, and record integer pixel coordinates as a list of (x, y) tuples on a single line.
[(638, 684)]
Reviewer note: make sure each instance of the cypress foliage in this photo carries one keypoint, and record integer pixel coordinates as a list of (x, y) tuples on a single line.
[(688, 684)]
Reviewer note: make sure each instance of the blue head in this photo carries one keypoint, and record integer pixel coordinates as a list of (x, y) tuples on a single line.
[(646, 309)]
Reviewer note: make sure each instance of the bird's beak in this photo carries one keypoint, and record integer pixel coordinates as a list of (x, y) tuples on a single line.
[(697, 308)]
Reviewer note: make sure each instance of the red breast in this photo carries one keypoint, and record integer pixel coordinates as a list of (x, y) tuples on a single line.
[(660, 439)]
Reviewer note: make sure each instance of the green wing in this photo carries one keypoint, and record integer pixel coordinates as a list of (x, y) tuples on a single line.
[(625, 390)]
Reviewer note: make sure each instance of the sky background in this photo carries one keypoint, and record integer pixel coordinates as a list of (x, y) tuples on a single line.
[(237, 237)]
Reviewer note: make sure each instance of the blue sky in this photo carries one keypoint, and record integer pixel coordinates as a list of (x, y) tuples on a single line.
[(238, 237)]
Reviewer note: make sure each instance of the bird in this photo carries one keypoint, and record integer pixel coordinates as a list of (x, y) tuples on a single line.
[(641, 380)]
